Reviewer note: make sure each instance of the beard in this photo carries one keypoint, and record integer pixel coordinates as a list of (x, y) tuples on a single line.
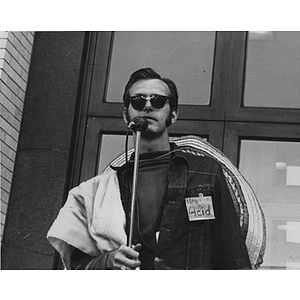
[(168, 120), (149, 134)]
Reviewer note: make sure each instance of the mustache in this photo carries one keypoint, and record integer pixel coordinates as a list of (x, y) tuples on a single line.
[(168, 120)]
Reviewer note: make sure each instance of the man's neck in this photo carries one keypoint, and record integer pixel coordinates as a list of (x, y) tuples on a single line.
[(160, 143)]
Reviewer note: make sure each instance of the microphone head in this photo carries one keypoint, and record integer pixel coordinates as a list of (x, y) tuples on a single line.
[(138, 124)]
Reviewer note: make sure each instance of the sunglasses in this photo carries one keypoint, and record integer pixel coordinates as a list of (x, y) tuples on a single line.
[(157, 101)]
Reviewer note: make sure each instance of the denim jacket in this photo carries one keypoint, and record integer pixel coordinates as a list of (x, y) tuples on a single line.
[(202, 244)]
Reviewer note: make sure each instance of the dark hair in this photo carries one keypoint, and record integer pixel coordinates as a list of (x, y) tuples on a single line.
[(148, 73)]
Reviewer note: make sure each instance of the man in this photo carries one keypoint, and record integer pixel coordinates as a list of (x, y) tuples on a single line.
[(185, 216)]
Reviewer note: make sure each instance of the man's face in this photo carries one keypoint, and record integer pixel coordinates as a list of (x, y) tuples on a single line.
[(157, 118)]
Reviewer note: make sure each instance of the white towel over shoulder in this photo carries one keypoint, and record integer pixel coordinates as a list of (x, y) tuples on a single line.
[(92, 219)]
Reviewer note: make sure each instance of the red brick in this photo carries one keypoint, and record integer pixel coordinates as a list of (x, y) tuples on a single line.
[(10, 118), (3, 208), (9, 105), (4, 89), (14, 53), (8, 152), (4, 196), (29, 36), (2, 53), (3, 218), (25, 43), (9, 141), (5, 173), (4, 34), (14, 76), (7, 163), (13, 63), (9, 129), (14, 38), (6, 127), (5, 185), (3, 43)]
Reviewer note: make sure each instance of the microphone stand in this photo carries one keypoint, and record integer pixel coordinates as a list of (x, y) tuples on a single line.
[(134, 185)]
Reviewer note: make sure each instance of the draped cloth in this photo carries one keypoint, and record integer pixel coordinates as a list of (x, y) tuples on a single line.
[(93, 219)]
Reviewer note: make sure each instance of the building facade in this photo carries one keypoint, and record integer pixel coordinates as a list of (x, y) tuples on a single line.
[(15, 57)]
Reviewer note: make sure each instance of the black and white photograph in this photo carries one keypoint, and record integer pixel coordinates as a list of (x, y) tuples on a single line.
[(150, 150)]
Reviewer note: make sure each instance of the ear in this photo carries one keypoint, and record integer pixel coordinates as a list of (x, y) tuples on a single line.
[(174, 116), (124, 113)]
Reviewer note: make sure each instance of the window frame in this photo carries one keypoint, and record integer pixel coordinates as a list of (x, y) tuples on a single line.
[(99, 107), (235, 109), (236, 131)]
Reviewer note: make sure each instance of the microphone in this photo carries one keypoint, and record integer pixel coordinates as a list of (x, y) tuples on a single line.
[(138, 124)]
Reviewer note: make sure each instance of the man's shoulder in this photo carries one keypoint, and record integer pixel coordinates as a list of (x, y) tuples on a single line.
[(196, 158), (93, 182), (197, 152), (194, 153)]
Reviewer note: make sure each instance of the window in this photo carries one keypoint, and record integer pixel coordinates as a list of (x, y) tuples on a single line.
[(273, 170), (273, 69), (163, 51)]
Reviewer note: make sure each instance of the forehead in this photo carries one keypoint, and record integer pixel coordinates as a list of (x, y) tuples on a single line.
[(148, 87)]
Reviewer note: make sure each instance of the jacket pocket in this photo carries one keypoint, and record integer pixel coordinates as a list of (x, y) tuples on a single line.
[(200, 190)]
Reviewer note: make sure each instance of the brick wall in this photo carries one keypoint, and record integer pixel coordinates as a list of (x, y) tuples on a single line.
[(15, 55)]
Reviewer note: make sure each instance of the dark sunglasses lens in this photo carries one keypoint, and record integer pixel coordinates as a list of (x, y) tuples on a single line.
[(158, 101), (138, 103)]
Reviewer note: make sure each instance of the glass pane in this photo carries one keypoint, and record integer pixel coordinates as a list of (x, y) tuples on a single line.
[(273, 170), (273, 69), (185, 57), (112, 146)]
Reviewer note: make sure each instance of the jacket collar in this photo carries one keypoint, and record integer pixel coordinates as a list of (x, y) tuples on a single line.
[(175, 153)]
